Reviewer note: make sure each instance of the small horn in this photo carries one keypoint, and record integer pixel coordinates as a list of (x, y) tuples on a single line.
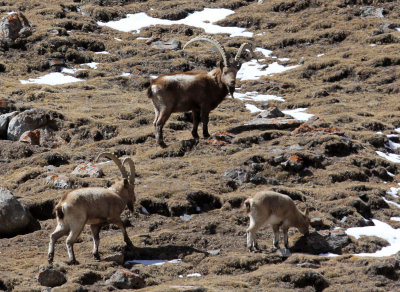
[(116, 160), (212, 40), (132, 169), (242, 48)]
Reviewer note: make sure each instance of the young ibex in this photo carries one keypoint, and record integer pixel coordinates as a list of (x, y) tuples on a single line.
[(276, 209), (94, 206), (196, 91)]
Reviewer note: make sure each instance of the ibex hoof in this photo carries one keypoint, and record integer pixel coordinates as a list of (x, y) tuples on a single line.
[(96, 256), (162, 144), (72, 262)]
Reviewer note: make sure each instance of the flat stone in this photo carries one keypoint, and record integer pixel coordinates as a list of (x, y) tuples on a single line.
[(284, 252), (170, 44), (88, 169), (60, 181), (125, 279)]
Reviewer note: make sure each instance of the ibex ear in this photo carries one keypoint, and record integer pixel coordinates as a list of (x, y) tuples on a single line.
[(126, 182)]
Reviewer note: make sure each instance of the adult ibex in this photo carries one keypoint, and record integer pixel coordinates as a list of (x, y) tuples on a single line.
[(197, 91), (96, 207)]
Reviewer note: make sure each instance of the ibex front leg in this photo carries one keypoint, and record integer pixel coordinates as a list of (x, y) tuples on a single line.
[(204, 120)]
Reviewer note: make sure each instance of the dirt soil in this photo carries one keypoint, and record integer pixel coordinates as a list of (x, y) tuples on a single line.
[(353, 90)]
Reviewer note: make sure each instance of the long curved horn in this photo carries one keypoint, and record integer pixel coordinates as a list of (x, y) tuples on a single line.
[(242, 48), (212, 40), (132, 169), (116, 160)]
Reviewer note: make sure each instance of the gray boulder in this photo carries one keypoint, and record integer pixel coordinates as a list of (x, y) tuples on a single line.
[(170, 44), (26, 121), (14, 218), (43, 136), (4, 120), (51, 277), (124, 279)]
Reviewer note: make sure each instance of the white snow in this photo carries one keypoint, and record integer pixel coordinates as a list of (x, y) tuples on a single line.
[(372, 45), (389, 156), (202, 19), (153, 262), (320, 55), (397, 28), (253, 108), (393, 145), (118, 39), (395, 219), (397, 130), (252, 70), (329, 254), (125, 74), (253, 95), (391, 202), (194, 275), (381, 230), (102, 53), (298, 114), (393, 192), (54, 78), (92, 65)]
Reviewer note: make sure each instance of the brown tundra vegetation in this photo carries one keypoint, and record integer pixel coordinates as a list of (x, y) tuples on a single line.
[(342, 162)]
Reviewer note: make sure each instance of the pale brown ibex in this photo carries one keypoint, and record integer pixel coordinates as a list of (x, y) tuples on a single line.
[(96, 207), (276, 209), (197, 91)]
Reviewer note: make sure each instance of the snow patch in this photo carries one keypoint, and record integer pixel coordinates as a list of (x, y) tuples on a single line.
[(54, 78), (253, 108), (389, 156), (202, 19), (382, 230), (298, 114), (153, 262)]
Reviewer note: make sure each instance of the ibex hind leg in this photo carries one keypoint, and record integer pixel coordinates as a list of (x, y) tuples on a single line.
[(204, 120)]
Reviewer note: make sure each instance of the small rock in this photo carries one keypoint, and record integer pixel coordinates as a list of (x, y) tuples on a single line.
[(318, 223), (310, 278), (26, 121), (88, 277), (370, 11), (51, 277), (240, 175), (88, 169), (170, 44), (124, 279), (270, 113), (295, 163), (116, 258), (60, 181)]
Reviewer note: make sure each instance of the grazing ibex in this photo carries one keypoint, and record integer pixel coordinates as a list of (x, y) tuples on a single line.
[(276, 209), (94, 206), (197, 91)]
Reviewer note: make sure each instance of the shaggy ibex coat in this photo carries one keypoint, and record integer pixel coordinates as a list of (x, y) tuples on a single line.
[(268, 207), (196, 91), (96, 207)]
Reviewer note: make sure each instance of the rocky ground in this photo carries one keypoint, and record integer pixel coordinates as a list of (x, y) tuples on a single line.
[(189, 195)]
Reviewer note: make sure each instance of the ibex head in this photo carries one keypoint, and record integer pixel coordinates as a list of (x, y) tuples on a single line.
[(128, 179), (228, 68)]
